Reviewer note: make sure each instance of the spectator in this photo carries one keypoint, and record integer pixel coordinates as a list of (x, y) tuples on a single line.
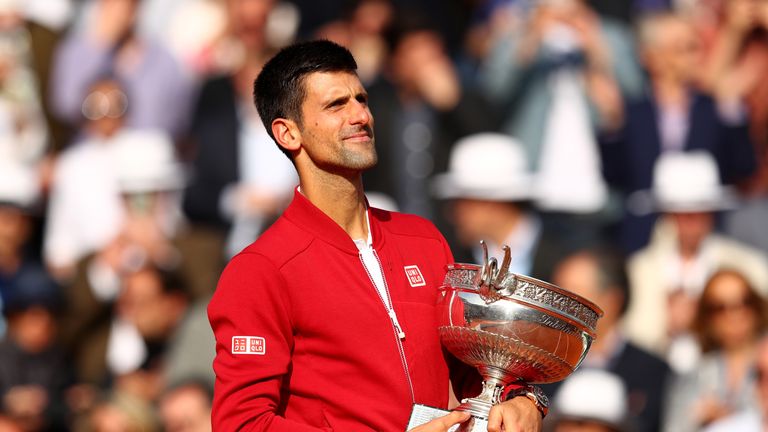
[(19, 193), (557, 74), (88, 204), (736, 57), (668, 275), (600, 276), (362, 32), (33, 370), (488, 186), (158, 90), (730, 318), (421, 110), (23, 131), (671, 116), (149, 309), (240, 180), (590, 401)]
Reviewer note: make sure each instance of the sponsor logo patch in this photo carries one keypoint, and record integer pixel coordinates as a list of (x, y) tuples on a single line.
[(414, 276), (248, 345)]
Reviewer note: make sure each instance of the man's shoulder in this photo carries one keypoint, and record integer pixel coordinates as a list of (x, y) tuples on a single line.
[(406, 224), (635, 357), (280, 242)]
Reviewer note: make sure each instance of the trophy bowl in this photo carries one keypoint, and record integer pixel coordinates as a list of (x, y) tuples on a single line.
[(512, 328)]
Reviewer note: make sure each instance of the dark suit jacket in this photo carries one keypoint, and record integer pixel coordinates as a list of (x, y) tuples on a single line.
[(214, 136), (645, 377), (628, 156)]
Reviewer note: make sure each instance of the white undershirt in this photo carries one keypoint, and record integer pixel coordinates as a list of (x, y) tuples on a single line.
[(371, 263), (373, 267)]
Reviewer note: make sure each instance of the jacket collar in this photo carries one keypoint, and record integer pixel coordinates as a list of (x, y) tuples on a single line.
[(306, 215)]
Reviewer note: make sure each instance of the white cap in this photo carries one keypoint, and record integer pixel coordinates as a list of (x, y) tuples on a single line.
[(146, 162), (486, 166), (592, 394)]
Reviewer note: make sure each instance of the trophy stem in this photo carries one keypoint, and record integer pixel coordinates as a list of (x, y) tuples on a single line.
[(480, 406)]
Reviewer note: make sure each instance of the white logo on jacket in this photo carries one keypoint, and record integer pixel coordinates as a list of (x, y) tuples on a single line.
[(249, 345), (415, 278)]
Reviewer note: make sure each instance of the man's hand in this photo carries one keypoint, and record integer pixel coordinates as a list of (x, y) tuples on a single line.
[(442, 424), (515, 415)]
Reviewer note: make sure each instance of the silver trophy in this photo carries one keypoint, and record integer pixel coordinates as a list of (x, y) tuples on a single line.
[(512, 328)]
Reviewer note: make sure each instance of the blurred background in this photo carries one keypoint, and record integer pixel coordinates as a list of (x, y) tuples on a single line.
[(620, 147)]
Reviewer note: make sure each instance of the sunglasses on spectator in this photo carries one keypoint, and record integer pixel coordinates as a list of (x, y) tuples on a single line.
[(100, 104), (721, 307)]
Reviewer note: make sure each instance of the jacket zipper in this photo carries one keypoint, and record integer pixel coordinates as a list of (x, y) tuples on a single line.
[(398, 330)]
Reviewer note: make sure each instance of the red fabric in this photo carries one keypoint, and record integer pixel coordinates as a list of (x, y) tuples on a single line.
[(331, 359)]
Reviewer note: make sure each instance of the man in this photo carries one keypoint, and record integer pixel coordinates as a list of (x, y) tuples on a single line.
[(421, 110), (671, 116), (488, 188), (328, 321), (600, 276)]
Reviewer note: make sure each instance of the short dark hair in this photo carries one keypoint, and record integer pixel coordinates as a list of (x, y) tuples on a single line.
[(279, 91), (611, 268)]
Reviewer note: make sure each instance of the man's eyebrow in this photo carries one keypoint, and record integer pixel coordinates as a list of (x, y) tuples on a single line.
[(336, 101)]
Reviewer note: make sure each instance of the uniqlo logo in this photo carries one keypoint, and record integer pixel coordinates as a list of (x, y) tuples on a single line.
[(414, 276), (248, 345)]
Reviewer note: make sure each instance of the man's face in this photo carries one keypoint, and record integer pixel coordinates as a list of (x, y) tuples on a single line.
[(692, 228), (580, 275), (677, 52), (143, 303), (186, 410), (248, 20), (337, 125), (14, 229)]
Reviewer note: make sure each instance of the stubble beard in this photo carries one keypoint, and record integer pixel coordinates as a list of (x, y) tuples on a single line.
[(359, 159)]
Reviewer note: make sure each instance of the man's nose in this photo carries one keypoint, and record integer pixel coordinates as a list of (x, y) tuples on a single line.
[(360, 113)]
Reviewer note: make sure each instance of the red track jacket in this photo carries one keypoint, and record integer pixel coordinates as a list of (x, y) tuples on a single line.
[(303, 340)]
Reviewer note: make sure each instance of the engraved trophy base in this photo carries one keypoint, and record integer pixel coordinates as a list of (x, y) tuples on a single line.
[(423, 413)]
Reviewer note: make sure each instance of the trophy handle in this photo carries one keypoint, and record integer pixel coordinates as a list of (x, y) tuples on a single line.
[(501, 273), (490, 278)]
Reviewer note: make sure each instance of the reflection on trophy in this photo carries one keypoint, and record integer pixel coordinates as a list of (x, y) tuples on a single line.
[(512, 328)]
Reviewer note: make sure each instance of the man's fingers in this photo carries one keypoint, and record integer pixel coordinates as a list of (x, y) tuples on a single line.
[(454, 417), (442, 424), (516, 415)]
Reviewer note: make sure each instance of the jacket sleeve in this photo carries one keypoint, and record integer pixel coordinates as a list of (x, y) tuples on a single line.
[(251, 302)]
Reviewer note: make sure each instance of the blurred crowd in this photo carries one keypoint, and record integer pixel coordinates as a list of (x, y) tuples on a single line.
[(619, 147)]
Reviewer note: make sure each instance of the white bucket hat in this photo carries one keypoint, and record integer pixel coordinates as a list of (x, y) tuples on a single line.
[(145, 162), (684, 182), (486, 166), (593, 395)]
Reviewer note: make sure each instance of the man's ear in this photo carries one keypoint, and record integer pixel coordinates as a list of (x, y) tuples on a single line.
[(286, 134)]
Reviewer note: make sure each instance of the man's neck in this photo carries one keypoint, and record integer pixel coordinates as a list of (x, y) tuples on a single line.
[(341, 198), (670, 93)]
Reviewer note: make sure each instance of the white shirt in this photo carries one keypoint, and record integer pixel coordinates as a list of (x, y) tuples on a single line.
[(85, 211)]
